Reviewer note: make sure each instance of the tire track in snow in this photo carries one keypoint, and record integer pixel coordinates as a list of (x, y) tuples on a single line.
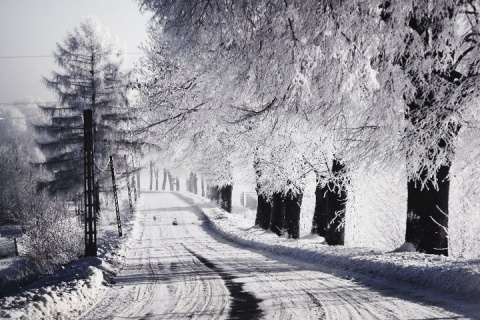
[(282, 287), (244, 305), (161, 280), (185, 287)]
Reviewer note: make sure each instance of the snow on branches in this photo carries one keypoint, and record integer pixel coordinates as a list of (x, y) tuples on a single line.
[(302, 84)]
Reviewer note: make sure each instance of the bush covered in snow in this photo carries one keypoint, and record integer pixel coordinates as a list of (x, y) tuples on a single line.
[(51, 237)]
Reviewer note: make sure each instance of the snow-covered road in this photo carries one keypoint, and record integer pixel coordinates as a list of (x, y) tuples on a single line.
[(185, 271)]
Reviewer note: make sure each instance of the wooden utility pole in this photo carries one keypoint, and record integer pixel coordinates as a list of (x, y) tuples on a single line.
[(89, 186), (117, 208)]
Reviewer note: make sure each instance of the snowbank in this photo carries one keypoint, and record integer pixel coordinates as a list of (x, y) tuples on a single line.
[(80, 284), (447, 274), (56, 301)]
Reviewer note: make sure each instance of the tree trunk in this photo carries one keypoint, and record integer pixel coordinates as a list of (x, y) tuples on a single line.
[(427, 214), (97, 198), (320, 221), (226, 197), (293, 204), (194, 182), (427, 207), (170, 180), (264, 212), (336, 204), (134, 188), (151, 175), (138, 181), (203, 188), (277, 223), (264, 208), (216, 192), (212, 192), (165, 175), (156, 178)]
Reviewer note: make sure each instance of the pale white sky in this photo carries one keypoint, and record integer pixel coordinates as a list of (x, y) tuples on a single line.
[(33, 27)]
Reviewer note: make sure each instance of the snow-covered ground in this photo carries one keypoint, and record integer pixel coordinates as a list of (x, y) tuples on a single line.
[(222, 267), (71, 291), (460, 276)]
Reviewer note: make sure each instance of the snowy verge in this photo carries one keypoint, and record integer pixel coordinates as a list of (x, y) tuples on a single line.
[(460, 276), (75, 288), (58, 301)]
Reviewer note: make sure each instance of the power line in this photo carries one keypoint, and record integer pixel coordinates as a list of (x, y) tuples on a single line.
[(24, 57), (24, 102), (50, 56)]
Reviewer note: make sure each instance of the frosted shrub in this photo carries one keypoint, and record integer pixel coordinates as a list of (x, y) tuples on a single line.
[(52, 238)]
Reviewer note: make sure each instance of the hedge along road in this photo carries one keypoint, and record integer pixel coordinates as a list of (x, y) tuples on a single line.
[(185, 271)]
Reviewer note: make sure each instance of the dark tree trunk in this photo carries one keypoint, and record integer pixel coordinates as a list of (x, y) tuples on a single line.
[(264, 208), (217, 194), (156, 178), (226, 197), (277, 223), (427, 214), (164, 182), (293, 204), (151, 175), (336, 205), (427, 207), (134, 188), (138, 182), (320, 221), (194, 183), (177, 184), (264, 212), (203, 188), (97, 198), (214, 193), (170, 180)]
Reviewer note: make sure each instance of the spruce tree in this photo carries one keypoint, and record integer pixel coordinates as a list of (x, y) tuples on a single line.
[(90, 78)]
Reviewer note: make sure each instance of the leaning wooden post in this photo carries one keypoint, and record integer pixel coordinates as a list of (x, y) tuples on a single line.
[(117, 208)]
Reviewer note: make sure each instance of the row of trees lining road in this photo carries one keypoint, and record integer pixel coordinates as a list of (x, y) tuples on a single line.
[(278, 90)]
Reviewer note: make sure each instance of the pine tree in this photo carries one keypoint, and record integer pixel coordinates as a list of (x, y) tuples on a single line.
[(90, 78)]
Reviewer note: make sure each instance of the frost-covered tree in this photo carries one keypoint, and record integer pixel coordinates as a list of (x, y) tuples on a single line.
[(270, 54), (17, 174), (90, 77), (369, 84), (435, 66), (181, 114)]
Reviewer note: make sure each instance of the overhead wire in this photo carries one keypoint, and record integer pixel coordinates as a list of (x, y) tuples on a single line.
[(49, 55)]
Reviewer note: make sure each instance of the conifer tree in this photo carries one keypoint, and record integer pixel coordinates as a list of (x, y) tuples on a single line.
[(90, 78)]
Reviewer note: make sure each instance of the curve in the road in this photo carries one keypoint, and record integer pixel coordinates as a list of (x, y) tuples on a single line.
[(185, 271)]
